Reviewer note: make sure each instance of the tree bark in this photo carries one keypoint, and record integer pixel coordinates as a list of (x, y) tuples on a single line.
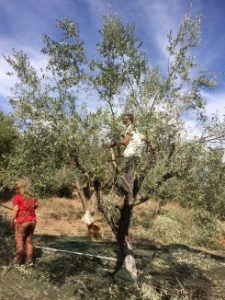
[(90, 208), (126, 258), (89, 204)]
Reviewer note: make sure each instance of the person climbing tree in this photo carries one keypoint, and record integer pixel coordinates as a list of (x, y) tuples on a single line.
[(133, 141)]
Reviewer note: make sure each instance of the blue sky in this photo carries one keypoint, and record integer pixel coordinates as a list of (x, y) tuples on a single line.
[(22, 23)]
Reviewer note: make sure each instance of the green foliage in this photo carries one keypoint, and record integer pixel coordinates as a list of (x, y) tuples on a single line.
[(121, 63), (8, 135), (6, 242), (8, 141), (61, 142), (203, 184)]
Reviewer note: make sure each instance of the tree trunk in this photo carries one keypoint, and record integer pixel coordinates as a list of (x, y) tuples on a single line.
[(89, 204), (126, 256), (120, 227)]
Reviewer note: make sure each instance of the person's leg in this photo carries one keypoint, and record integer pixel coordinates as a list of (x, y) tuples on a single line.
[(130, 169), (125, 182), (129, 174), (29, 242), (19, 238)]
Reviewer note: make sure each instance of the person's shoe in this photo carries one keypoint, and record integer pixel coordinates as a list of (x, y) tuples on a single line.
[(31, 264)]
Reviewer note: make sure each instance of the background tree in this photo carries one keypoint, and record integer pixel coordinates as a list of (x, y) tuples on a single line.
[(8, 140), (8, 134), (58, 144), (44, 106)]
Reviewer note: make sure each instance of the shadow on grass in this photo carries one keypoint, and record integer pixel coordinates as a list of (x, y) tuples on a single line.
[(169, 269), (147, 245), (6, 241), (77, 243), (182, 271), (60, 266), (181, 279)]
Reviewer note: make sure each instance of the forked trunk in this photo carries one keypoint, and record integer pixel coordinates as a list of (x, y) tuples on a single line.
[(89, 206)]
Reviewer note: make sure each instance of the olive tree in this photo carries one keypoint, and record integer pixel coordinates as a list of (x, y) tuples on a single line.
[(59, 139), (124, 79), (63, 141)]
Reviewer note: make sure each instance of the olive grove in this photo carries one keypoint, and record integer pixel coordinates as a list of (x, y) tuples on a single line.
[(62, 143)]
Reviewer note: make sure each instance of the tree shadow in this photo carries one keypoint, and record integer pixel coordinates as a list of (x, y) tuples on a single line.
[(6, 241), (60, 266), (77, 243), (170, 275), (182, 279), (147, 245), (178, 270)]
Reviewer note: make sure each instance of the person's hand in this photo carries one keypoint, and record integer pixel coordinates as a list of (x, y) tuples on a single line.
[(145, 140), (107, 146)]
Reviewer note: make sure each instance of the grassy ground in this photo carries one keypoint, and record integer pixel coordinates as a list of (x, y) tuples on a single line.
[(173, 259)]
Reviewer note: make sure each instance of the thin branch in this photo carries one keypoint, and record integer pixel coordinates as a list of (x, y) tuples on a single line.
[(6, 206), (165, 177), (102, 209), (211, 138)]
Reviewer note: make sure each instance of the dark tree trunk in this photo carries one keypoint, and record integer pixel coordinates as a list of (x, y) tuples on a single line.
[(126, 256)]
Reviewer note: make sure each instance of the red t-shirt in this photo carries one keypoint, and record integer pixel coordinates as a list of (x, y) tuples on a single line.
[(26, 210)]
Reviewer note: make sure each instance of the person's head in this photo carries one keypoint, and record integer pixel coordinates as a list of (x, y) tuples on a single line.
[(128, 119), (23, 187)]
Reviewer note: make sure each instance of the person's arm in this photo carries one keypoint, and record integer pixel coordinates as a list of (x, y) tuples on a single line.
[(14, 214), (125, 141)]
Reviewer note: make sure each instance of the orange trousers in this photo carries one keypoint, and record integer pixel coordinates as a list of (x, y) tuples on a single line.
[(24, 241)]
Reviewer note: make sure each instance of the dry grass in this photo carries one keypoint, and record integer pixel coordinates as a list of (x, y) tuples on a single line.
[(60, 216), (151, 217), (175, 274), (167, 224), (173, 224)]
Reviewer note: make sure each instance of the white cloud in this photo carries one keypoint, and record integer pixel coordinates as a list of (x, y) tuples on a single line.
[(95, 10), (36, 59), (159, 17), (215, 106), (215, 103), (6, 82), (191, 129)]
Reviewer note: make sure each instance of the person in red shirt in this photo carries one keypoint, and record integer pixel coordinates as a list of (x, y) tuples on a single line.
[(24, 220)]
